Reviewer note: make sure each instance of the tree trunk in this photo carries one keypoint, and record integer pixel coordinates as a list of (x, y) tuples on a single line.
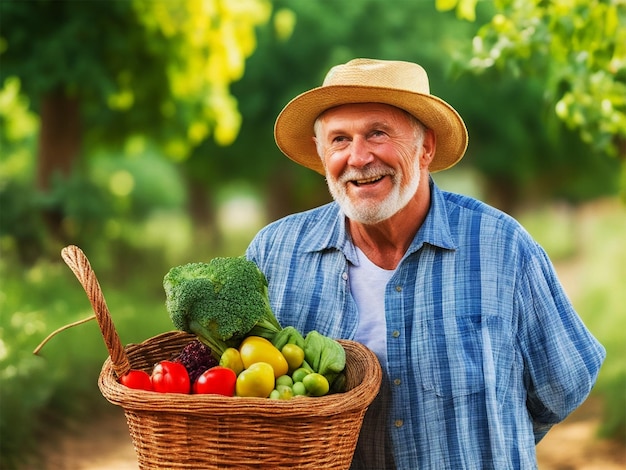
[(280, 195), (502, 193), (287, 192), (60, 137), (59, 147)]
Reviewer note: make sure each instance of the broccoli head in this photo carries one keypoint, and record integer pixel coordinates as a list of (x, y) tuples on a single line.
[(220, 302)]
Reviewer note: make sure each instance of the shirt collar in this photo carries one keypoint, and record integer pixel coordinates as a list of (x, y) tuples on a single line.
[(434, 231), (436, 227)]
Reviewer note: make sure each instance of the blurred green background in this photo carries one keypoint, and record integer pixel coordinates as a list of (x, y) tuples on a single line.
[(142, 131)]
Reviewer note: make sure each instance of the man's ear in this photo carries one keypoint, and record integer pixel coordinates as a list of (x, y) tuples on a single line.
[(428, 148)]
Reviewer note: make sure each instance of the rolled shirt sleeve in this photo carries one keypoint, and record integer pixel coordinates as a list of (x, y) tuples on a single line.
[(561, 358)]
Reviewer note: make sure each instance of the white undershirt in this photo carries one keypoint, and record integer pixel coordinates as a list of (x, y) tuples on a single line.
[(367, 284)]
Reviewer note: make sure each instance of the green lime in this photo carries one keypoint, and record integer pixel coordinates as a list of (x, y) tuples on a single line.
[(299, 389), (294, 355), (285, 392), (284, 380), (299, 374), (316, 384)]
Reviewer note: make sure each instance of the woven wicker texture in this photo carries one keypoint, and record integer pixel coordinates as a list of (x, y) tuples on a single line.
[(172, 431)]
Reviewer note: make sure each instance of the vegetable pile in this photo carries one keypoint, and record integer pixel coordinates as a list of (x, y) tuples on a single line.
[(240, 348)]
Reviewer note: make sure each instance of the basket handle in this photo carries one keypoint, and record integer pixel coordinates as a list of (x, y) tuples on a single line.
[(80, 266)]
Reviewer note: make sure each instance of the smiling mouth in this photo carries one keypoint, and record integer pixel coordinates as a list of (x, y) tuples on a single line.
[(363, 182)]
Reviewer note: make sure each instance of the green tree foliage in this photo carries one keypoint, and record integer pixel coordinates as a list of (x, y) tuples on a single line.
[(99, 74), (157, 78), (18, 126), (295, 49), (512, 140), (577, 48), (162, 66)]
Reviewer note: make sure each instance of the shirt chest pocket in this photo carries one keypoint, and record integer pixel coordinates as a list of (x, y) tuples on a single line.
[(449, 355)]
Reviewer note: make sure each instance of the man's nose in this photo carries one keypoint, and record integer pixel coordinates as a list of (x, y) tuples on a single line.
[(360, 152)]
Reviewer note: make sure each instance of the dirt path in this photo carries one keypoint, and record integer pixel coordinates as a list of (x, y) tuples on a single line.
[(103, 443), (574, 445)]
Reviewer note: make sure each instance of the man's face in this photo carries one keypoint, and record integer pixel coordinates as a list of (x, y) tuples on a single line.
[(371, 155)]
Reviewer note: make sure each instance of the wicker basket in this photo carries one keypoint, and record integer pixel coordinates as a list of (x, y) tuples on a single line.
[(209, 431)]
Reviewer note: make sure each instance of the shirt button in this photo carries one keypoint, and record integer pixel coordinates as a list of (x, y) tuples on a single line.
[(395, 333), (397, 381), (398, 423), (398, 288), (344, 276)]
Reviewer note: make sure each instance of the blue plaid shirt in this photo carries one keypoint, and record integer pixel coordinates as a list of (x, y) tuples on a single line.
[(484, 350)]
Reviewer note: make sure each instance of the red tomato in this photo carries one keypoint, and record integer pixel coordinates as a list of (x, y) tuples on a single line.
[(217, 380), (137, 379), (170, 377)]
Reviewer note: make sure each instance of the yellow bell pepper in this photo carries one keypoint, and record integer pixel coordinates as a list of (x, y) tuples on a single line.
[(255, 349), (255, 381), (232, 359)]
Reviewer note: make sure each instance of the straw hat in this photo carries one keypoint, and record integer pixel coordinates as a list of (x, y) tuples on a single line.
[(400, 84)]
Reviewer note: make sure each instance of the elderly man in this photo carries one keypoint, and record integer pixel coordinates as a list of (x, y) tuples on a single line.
[(481, 350)]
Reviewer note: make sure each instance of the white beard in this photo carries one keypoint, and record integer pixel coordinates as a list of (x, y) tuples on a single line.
[(372, 212)]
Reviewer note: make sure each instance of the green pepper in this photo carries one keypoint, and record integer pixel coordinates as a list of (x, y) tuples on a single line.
[(325, 355), (288, 335)]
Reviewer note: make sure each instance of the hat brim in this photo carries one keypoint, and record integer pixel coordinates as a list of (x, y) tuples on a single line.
[(293, 129)]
